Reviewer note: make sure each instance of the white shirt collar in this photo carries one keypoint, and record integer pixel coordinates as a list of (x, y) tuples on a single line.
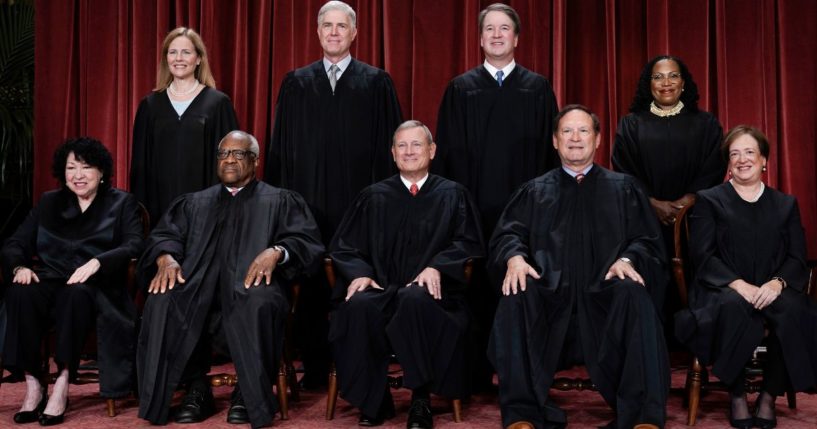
[(574, 174), (505, 70), (342, 65), (419, 182), (237, 190)]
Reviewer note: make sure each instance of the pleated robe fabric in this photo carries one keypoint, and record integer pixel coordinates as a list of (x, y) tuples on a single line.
[(492, 139), (215, 237), (734, 239), (173, 155), (328, 146), (391, 236), (63, 238), (571, 234)]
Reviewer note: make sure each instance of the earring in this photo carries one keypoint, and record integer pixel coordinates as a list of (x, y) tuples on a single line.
[(764, 168), (101, 181)]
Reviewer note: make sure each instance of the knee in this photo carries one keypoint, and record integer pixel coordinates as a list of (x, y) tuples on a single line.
[(414, 295), (16, 293), (266, 297), (77, 293)]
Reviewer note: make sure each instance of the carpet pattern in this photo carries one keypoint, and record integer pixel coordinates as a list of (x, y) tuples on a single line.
[(584, 409)]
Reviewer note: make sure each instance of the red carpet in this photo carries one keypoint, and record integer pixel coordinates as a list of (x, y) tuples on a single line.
[(585, 410)]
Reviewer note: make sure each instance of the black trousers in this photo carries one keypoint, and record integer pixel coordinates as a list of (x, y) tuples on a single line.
[(427, 335), (33, 309)]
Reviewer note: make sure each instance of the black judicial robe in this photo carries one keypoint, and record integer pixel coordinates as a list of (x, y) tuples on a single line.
[(215, 237), (571, 234), (329, 146), (671, 156), (173, 155), (492, 139), (391, 236), (64, 238), (734, 239)]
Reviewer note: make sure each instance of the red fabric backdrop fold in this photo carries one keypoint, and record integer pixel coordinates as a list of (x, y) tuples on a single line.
[(755, 62)]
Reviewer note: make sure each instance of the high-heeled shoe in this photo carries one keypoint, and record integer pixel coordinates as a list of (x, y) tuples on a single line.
[(760, 422), (32, 416), (49, 420)]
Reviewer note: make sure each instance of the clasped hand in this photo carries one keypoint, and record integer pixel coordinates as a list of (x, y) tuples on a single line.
[(759, 297)]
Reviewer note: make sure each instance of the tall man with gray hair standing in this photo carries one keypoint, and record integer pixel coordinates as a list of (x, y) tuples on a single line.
[(333, 123)]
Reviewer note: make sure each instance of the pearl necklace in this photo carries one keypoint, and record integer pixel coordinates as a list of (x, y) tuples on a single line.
[(664, 113), (172, 90)]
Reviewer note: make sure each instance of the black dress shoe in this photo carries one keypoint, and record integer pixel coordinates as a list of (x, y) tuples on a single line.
[(196, 406), (385, 412), (419, 415), (49, 420), (238, 411), (32, 416)]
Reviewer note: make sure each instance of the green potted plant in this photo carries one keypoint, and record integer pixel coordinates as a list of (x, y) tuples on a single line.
[(16, 111)]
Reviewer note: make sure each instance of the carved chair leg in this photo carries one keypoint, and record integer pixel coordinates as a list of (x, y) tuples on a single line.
[(331, 393), (694, 382), (282, 392), (111, 407), (456, 404), (292, 382)]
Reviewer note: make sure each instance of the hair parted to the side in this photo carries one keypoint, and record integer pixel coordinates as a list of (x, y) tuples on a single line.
[(202, 73)]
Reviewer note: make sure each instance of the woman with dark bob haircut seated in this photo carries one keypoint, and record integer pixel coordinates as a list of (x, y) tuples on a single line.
[(68, 264), (749, 252)]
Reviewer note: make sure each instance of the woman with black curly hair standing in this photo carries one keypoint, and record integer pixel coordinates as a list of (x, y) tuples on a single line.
[(666, 142)]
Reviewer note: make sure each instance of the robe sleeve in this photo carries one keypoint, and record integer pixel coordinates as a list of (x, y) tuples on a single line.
[(298, 233), (168, 237), (21, 246), (225, 121), (274, 167), (142, 142), (451, 148), (388, 119), (350, 248), (466, 243), (794, 269), (712, 165), (512, 234), (547, 158), (130, 246), (626, 157), (644, 243), (710, 269)]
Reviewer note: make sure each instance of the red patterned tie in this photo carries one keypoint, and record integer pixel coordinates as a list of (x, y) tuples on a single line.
[(579, 178), (414, 189)]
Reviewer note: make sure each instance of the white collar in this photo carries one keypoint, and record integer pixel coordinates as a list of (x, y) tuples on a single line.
[(505, 70), (419, 183), (574, 174), (342, 64)]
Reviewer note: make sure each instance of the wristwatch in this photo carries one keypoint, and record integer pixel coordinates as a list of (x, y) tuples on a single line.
[(627, 260), (782, 282)]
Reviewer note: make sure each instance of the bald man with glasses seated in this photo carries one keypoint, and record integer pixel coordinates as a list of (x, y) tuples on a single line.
[(222, 254)]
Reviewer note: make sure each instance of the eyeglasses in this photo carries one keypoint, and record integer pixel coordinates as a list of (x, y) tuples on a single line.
[(236, 153), (673, 77)]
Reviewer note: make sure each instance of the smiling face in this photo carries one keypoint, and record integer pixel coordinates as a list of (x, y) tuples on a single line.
[(182, 58), (336, 34), (412, 151), (236, 173), (576, 140), (498, 37), (666, 83), (746, 162), (82, 178)]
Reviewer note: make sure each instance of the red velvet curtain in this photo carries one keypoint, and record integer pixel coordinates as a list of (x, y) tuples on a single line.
[(755, 62)]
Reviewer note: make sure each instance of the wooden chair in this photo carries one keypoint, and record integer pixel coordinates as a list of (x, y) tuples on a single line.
[(697, 376), (394, 382)]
